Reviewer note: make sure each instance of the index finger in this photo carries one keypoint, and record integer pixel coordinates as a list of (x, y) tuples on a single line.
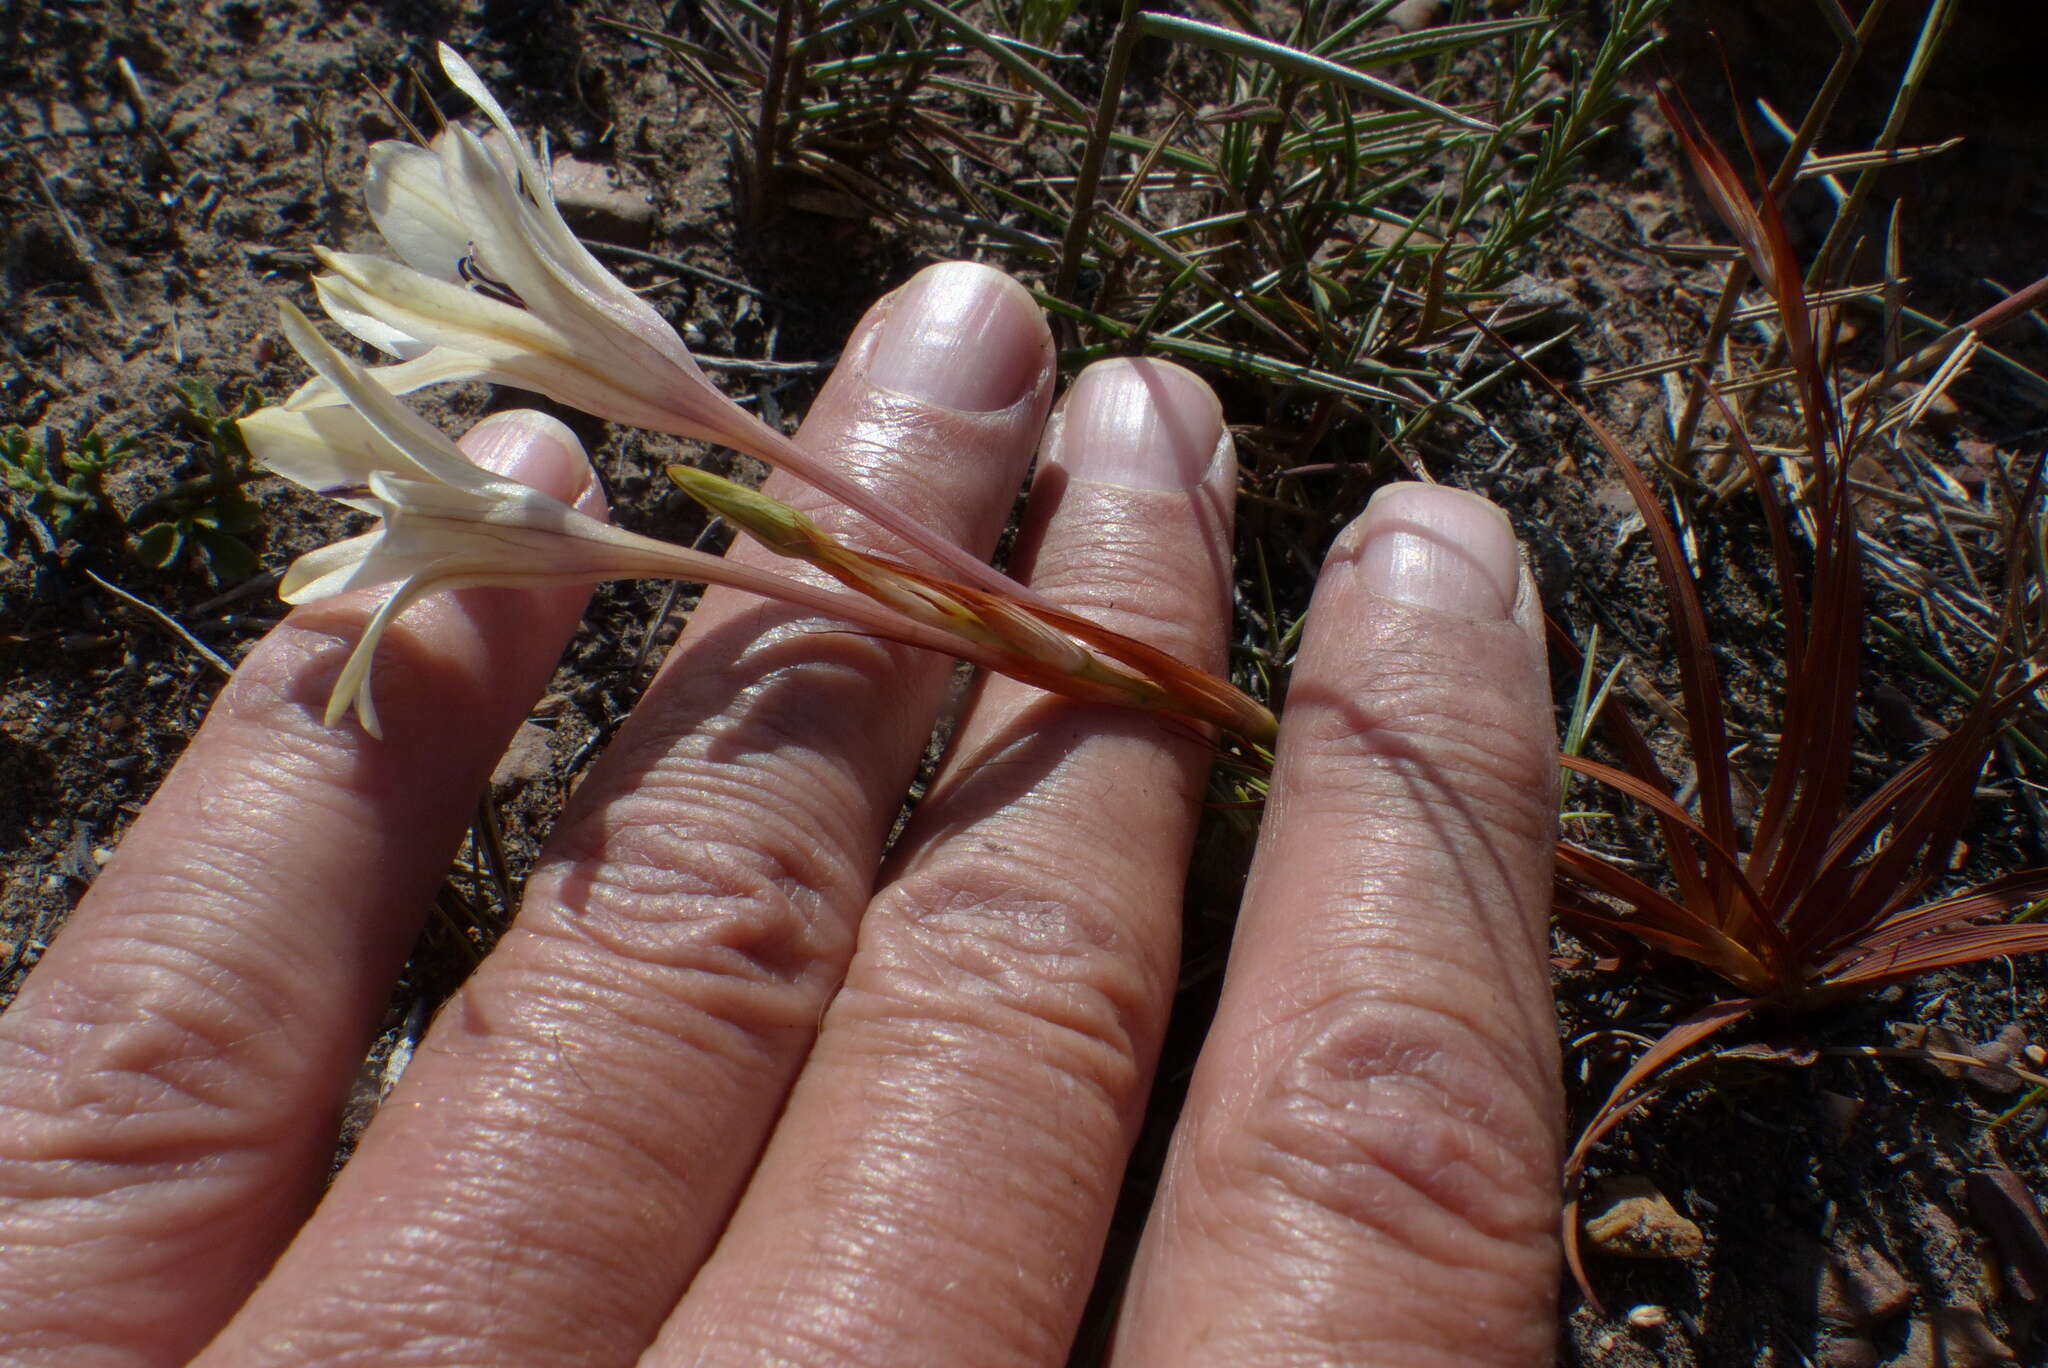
[(171, 1072)]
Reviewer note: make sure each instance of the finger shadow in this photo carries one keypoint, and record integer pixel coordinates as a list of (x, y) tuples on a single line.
[(1491, 868), (1025, 755), (811, 691)]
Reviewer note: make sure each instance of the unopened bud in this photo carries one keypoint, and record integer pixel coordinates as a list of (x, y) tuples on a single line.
[(772, 522)]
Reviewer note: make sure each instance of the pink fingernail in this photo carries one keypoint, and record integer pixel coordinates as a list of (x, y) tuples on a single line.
[(961, 336), (1437, 548), (1140, 425), (534, 449)]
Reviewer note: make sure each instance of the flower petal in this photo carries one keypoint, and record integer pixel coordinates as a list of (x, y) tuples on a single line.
[(329, 451), (376, 331), (436, 312), (409, 205), (352, 686), (507, 503), (345, 565), (441, 365), (418, 444), (464, 78)]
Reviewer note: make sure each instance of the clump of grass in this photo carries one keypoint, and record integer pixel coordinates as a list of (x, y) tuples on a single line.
[(1821, 894), (1315, 223), (1303, 205)]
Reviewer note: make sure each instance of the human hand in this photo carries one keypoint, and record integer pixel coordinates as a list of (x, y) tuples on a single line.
[(726, 1094)]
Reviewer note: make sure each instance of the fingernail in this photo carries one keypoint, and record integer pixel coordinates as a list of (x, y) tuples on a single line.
[(1436, 548), (534, 449), (961, 336), (1139, 425)]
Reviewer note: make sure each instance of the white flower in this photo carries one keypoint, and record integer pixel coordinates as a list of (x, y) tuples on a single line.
[(495, 286), (491, 284), (449, 524)]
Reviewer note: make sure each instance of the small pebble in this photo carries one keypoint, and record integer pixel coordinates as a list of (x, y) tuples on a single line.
[(597, 208), (1635, 1221), (1411, 15), (529, 757)]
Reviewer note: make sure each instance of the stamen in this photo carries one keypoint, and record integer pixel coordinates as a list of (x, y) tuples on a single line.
[(474, 277)]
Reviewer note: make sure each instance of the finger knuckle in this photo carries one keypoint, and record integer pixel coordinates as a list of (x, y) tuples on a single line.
[(1393, 1124), (185, 1038), (709, 922), (1023, 950), (662, 885)]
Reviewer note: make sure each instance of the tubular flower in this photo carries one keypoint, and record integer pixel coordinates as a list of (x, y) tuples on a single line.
[(448, 524), (491, 284)]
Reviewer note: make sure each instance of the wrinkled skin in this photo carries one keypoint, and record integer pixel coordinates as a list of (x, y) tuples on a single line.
[(734, 1089)]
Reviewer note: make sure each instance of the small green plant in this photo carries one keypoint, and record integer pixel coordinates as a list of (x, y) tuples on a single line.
[(207, 513), (63, 482)]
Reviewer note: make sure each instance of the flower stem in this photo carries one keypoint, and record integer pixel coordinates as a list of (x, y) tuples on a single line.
[(784, 454)]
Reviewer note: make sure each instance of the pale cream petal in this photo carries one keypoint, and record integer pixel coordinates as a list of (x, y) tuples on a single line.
[(331, 452), (442, 365), (465, 79), (368, 326), (345, 565), (422, 446), (409, 204), (352, 686), (437, 312), (428, 516)]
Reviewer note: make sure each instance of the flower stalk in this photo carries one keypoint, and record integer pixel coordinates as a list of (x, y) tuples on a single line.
[(1043, 646)]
